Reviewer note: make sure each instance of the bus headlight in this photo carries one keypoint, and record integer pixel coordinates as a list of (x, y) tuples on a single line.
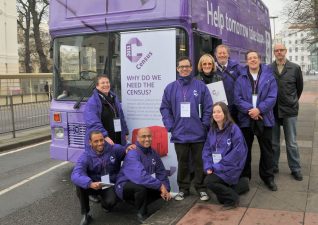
[(59, 132)]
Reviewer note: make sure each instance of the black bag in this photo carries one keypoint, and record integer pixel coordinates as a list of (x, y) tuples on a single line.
[(257, 127)]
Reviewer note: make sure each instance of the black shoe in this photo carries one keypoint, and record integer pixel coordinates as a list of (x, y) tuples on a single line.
[(86, 219), (141, 217), (275, 170), (229, 206), (297, 175), (271, 185)]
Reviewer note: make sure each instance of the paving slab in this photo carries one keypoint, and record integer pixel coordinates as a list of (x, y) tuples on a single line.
[(212, 214), (272, 217), (312, 202), (311, 219), (279, 200)]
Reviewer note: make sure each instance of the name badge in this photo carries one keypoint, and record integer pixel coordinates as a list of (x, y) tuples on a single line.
[(216, 157), (106, 182), (185, 110), (153, 175), (117, 125), (254, 100)]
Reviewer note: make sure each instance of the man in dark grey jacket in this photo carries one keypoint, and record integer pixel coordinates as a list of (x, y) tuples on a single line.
[(290, 86)]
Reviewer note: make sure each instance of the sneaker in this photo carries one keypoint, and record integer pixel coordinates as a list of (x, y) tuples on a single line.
[(204, 196), (297, 175), (229, 206), (180, 196), (94, 198)]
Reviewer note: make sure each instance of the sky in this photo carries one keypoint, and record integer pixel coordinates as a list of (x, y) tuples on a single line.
[(275, 8)]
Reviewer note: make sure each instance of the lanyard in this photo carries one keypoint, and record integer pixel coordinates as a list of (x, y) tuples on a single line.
[(218, 140), (184, 91), (255, 84)]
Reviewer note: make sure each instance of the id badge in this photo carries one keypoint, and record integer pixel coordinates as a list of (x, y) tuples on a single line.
[(185, 110), (106, 182), (216, 157), (117, 125), (254, 99), (153, 175)]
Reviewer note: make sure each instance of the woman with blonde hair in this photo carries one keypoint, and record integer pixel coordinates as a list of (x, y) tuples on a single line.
[(207, 69)]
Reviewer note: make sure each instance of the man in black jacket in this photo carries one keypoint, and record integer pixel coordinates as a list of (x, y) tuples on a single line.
[(290, 86)]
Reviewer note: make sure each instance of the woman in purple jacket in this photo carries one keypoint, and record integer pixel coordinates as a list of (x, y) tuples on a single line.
[(103, 112), (224, 156)]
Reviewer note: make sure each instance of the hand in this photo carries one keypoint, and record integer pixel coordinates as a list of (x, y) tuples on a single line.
[(165, 195), (96, 185), (109, 141), (209, 171), (130, 147), (254, 113), (127, 137)]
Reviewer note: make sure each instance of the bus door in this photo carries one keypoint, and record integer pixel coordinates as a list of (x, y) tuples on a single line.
[(203, 43)]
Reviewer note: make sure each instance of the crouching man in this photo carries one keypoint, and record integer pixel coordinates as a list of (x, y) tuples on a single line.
[(96, 171), (142, 178)]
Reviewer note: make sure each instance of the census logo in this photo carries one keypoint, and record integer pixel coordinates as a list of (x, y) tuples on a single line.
[(228, 142), (129, 46), (195, 93), (139, 58), (153, 162), (112, 159)]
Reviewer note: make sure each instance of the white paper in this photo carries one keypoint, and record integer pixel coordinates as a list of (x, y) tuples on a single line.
[(217, 92), (185, 109), (216, 157), (117, 125), (106, 182)]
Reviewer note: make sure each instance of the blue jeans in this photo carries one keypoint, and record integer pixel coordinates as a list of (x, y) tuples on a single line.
[(289, 126)]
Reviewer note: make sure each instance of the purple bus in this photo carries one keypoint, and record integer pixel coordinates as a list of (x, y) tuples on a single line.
[(87, 42)]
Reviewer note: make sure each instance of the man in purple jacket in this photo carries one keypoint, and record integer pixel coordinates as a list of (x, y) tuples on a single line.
[(97, 167), (229, 70), (142, 178), (186, 110), (255, 96)]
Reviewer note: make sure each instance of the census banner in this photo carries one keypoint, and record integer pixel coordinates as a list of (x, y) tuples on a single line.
[(148, 65)]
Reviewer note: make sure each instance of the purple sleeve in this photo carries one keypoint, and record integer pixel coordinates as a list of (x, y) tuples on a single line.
[(269, 102), (207, 154), (79, 175), (166, 110), (134, 170), (161, 173), (92, 116), (241, 104)]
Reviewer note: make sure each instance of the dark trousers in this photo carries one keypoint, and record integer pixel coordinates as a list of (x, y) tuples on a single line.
[(140, 196), (184, 168), (226, 194), (108, 198), (267, 154)]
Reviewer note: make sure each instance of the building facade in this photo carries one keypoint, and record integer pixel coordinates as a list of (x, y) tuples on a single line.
[(9, 60), (297, 47)]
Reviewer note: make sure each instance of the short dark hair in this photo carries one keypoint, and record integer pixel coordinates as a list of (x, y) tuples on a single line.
[(94, 132), (100, 76), (226, 112), (184, 58), (250, 51)]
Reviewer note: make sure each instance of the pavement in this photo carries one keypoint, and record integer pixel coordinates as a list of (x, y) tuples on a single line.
[(295, 202)]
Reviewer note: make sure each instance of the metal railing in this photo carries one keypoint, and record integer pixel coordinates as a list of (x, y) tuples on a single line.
[(24, 101), (22, 116)]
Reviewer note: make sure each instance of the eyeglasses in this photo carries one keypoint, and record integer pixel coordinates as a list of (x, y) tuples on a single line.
[(280, 50), (184, 67)]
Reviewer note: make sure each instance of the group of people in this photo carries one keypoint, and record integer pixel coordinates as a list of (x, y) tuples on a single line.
[(260, 99), (213, 142)]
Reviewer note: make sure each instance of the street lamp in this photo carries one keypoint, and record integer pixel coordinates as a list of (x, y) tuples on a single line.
[(273, 18)]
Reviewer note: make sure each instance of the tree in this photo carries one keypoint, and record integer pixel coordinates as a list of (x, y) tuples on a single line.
[(304, 13), (31, 14)]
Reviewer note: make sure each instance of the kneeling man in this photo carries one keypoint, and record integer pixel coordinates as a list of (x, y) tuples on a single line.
[(97, 168), (142, 178)]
